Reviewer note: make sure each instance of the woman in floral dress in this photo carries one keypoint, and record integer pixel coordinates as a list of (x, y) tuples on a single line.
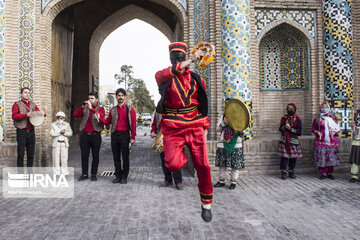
[(326, 129)]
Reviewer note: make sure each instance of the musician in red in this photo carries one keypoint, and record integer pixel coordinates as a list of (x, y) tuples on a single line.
[(184, 106), (25, 135)]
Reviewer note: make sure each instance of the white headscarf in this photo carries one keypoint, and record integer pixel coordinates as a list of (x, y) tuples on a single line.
[(330, 124)]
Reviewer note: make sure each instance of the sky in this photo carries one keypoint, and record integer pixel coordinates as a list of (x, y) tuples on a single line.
[(140, 45)]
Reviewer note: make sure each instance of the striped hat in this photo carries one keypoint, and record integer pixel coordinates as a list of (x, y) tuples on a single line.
[(178, 46)]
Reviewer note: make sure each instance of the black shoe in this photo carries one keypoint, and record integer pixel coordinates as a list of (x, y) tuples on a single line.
[(331, 177), (123, 181), (232, 186), (322, 177), (93, 178), (352, 180), (283, 175), (206, 214), (117, 180), (292, 175), (83, 177), (219, 184)]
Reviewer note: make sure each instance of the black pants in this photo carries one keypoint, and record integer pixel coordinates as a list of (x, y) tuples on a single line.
[(284, 164), (25, 139), (90, 141), (120, 147), (168, 175)]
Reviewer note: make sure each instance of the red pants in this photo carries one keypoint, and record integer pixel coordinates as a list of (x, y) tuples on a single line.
[(193, 137)]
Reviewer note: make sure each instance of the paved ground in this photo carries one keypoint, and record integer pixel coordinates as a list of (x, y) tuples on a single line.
[(261, 207)]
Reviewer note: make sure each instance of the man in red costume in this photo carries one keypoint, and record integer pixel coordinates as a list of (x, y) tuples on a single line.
[(184, 108)]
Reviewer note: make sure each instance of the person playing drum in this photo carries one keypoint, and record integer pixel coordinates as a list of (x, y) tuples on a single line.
[(25, 135)]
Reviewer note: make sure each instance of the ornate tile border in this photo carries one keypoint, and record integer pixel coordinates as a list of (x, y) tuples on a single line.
[(44, 3), (236, 59), (201, 32), (305, 18), (26, 44), (2, 72)]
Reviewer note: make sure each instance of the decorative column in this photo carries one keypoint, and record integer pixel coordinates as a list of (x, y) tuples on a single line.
[(26, 44), (236, 64), (338, 60), (2, 73)]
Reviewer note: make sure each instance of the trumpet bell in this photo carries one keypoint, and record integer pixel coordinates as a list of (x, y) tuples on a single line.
[(237, 114)]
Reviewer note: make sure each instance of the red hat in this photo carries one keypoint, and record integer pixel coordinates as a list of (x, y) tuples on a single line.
[(178, 46)]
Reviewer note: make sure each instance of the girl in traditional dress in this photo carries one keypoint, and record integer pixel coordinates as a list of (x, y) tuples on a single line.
[(289, 147), (229, 153), (326, 129), (355, 147)]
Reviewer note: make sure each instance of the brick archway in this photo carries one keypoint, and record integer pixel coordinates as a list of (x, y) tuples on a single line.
[(116, 20), (314, 93), (166, 15)]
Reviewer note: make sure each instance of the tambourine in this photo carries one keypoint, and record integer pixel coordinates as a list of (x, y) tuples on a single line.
[(208, 51), (36, 118)]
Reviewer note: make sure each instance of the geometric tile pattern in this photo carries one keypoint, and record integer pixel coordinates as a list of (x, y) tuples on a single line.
[(183, 3), (26, 44), (201, 33), (44, 3), (236, 59), (305, 18), (338, 57), (270, 66), (284, 60), (2, 75)]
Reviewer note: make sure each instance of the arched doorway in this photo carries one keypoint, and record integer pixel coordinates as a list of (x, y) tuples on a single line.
[(285, 76), (77, 30)]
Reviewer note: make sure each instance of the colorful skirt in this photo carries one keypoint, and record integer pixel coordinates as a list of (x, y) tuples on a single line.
[(295, 151), (233, 159), (355, 155), (326, 157)]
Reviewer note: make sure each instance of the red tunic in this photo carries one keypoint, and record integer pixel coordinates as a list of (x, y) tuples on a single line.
[(182, 93)]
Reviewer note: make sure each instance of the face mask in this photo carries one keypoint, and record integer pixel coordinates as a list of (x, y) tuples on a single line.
[(324, 110), (60, 121), (291, 112)]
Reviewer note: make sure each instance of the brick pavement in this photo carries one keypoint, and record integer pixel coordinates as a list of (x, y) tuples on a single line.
[(261, 207)]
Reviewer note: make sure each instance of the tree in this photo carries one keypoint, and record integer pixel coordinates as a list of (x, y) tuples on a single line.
[(137, 92), (141, 98), (125, 75)]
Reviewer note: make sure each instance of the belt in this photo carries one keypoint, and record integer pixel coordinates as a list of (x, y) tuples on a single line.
[(25, 130), (61, 141), (91, 133), (180, 110)]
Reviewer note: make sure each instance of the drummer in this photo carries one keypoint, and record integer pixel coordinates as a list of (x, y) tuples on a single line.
[(25, 135), (229, 153)]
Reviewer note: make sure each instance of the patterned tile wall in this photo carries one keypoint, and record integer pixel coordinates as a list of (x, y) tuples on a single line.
[(284, 60), (201, 32), (338, 59), (2, 73), (26, 44), (236, 62), (305, 18), (270, 65), (44, 3)]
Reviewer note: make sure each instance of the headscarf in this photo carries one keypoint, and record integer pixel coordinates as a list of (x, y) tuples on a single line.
[(293, 120), (330, 124), (357, 117)]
